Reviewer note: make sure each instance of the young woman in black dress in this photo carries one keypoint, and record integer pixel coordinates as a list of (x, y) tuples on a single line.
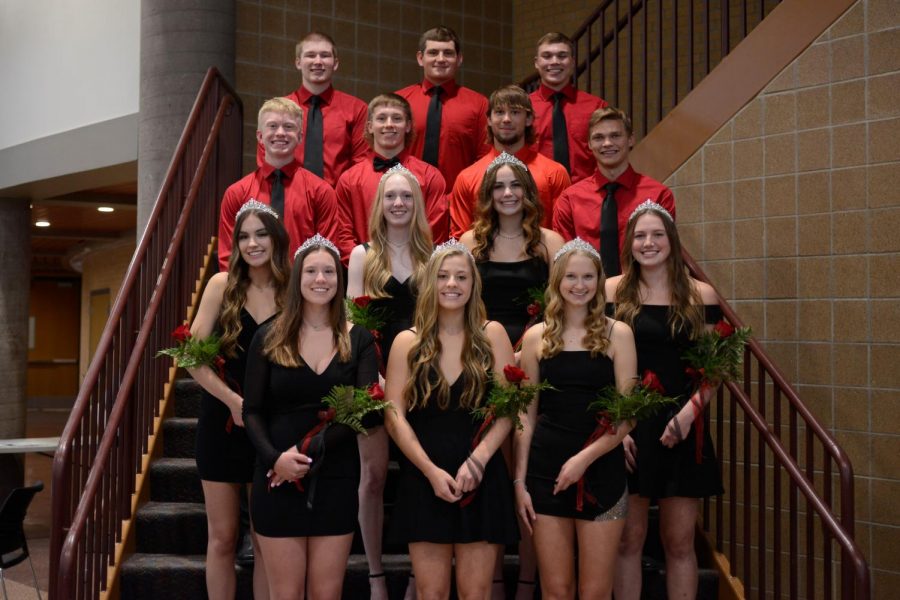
[(293, 363), (453, 501), (667, 309), (385, 269), (569, 489), (234, 304)]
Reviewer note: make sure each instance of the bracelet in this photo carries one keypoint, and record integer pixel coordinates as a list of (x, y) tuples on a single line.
[(518, 481)]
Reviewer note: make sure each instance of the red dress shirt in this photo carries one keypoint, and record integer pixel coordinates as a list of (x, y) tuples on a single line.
[(310, 207), (577, 211), (578, 107), (463, 125), (549, 176), (357, 187), (343, 125)]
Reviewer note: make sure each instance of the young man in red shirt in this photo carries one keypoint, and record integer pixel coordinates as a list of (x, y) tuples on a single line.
[(449, 119), (333, 122), (561, 112), (596, 209)]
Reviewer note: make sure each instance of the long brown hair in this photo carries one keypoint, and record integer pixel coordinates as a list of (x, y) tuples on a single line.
[(487, 223), (595, 339), (283, 338), (685, 311), (377, 269), (425, 354), (235, 295)]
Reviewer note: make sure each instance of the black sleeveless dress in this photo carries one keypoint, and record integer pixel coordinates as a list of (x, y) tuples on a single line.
[(420, 516), (563, 426), (398, 312), (505, 288), (280, 406), (224, 453), (666, 472)]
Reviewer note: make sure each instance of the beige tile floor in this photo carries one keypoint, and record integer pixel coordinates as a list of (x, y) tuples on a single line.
[(19, 583)]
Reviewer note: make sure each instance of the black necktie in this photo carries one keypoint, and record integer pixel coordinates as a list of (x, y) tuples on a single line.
[(560, 132), (383, 164), (433, 127), (609, 231), (277, 196), (312, 151)]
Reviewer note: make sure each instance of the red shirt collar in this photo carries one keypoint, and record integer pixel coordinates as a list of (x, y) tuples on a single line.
[(289, 169), (325, 97), (626, 179), (526, 153), (547, 92), (450, 87)]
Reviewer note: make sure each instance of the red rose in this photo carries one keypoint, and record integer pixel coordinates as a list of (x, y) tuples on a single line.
[(362, 301), (514, 374), (182, 333), (723, 329), (534, 309), (651, 382), (375, 392)]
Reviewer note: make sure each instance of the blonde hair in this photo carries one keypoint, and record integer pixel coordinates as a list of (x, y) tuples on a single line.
[(595, 339), (282, 345), (282, 106), (377, 269), (686, 311), (425, 354), (235, 294)]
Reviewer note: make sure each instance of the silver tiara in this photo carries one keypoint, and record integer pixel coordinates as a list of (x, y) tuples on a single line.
[(254, 204), (649, 204), (398, 168), (506, 159), (316, 240), (451, 244), (576, 244)]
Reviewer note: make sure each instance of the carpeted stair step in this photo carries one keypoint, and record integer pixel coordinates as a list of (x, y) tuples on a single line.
[(187, 398), (175, 480), (171, 527), (155, 576), (179, 437)]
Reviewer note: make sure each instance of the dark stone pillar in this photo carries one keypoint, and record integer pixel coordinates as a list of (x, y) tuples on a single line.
[(180, 40)]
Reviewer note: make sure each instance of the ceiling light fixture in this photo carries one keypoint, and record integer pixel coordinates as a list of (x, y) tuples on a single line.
[(105, 209), (42, 223)]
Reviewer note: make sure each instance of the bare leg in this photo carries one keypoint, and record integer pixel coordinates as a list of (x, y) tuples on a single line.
[(222, 500), (285, 566), (431, 565), (677, 520), (260, 583), (554, 541), (628, 569), (373, 453), (527, 566), (326, 565), (474, 569), (598, 548)]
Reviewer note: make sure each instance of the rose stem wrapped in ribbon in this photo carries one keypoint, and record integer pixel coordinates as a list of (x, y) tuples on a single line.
[(346, 405), (714, 358), (535, 310), (504, 401), (191, 353), (373, 319), (612, 407)]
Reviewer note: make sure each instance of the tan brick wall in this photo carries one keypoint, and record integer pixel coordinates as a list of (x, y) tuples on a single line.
[(377, 42), (793, 209)]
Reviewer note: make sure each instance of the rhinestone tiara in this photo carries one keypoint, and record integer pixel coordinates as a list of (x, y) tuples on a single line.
[(254, 204), (648, 205), (506, 159), (576, 244), (398, 168), (451, 244), (316, 240)]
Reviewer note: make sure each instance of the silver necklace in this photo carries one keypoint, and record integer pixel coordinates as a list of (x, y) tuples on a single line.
[(509, 237)]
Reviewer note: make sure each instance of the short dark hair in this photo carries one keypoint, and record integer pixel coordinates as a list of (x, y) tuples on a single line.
[(555, 37), (441, 33), (514, 97), (396, 101)]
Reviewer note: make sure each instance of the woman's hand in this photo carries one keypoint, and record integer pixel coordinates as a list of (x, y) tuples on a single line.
[(444, 486), (571, 471), (678, 427), (524, 507), (290, 466), (469, 475), (237, 412), (630, 453)]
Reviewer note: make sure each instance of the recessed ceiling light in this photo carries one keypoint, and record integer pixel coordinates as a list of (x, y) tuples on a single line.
[(105, 209), (42, 223)]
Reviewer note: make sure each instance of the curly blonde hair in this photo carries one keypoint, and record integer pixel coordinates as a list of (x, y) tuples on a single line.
[(283, 338), (596, 338), (235, 294), (377, 269), (425, 354)]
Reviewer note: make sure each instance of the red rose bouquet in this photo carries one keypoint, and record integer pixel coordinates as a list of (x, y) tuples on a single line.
[(361, 313), (191, 352)]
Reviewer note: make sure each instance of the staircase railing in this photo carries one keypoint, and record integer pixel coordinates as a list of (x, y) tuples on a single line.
[(769, 452), (101, 448), (644, 56)]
